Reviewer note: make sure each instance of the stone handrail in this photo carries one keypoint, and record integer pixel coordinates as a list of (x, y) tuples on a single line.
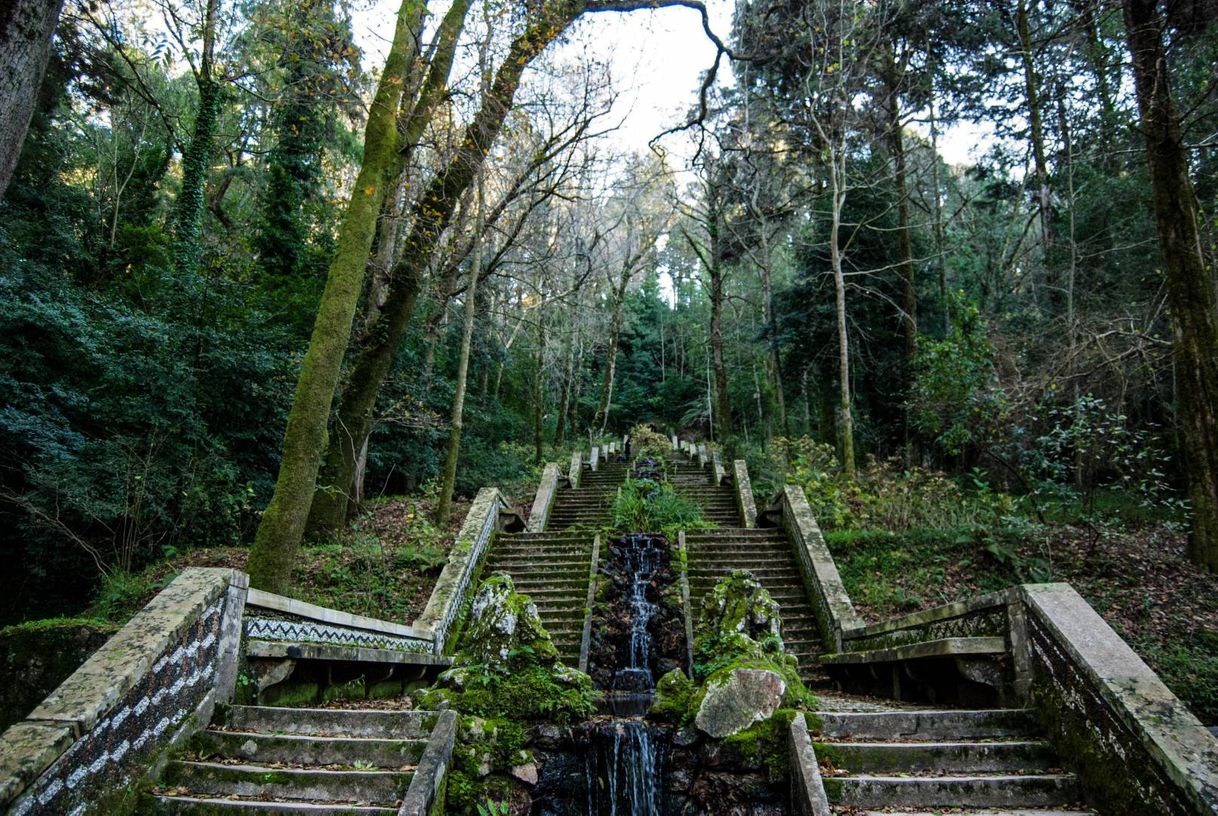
[(451, 587), (1135, 747), (544, 500), (576, 469), (717, 467), (585, 638), (423, 797), (143, 692), (984, 615), (835, 612), (594, 458), (808, 796), (270, 617), (744, 493)]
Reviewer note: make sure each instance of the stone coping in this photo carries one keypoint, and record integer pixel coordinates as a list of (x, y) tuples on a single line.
[(943, 647), (130, 654), (744, 493), (291, 606), (576, 469), (349, 654), (808, 797), (429, 775), (544, 500), (1185, 749), (799, 519), (957, 609), (467, 550)]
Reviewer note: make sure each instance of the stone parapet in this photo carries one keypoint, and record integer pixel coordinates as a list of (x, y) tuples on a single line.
[(149, 687), (479, 527), (544, 500), (424, 796), (744, 493)]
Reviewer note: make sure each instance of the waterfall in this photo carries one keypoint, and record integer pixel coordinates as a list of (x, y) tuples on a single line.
[(622, 773), (642, 556), (622, 768)]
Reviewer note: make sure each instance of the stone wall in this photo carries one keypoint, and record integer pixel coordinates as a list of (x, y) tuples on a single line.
[(477, 531), (148, 687), (35, 658)]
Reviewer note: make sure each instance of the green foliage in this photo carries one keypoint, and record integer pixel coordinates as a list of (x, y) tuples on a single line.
[(888, 496), (646, 506), (647, 443), (890, 573), (1189, 669), (954, 399), (494, 809)]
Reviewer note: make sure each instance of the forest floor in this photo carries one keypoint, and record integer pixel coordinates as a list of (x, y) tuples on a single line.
[(383, 566), (1138, 578)]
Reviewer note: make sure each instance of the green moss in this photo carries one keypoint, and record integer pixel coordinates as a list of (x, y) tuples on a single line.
[(765, 746), (674, 698), (529, 693)]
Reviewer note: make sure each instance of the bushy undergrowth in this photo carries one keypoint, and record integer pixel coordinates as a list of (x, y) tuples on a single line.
[(643, 505)]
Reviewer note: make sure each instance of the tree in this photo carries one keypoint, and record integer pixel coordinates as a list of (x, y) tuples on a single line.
[(1190, 289), (283, 522), (26, 27)]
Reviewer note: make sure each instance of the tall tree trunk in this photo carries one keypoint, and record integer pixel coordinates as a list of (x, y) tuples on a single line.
[(539, 391), (444, 506), (600, 420), (1036, 132), (196, 161), (26, 27), (723, 404), (331, 499), (893, 77), (773, 360), (845, 421), (431, 215), (940, 241), (1191, 297), (568, 372), (273, 555)]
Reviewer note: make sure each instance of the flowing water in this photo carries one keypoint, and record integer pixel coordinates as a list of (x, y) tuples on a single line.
[(622, 769)]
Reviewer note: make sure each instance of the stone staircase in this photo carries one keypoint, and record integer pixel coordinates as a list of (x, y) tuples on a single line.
[(552, 568), (267, 760), (918, 762), (588, 505)]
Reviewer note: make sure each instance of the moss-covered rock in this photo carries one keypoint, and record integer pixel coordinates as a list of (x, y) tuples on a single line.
[(507, 669), (504, 625), (742, 672)]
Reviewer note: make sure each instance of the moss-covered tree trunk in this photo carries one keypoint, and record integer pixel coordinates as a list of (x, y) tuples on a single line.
[(26, 27), (449, 483), (600, 420), (335, 483), (1190, 291), (188, 220), (279, 533)]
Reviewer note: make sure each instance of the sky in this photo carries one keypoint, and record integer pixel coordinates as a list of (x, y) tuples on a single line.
[(656, 60)]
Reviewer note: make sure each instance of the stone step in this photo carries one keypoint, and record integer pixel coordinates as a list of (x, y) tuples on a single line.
[(331, 722), (1032, 790), (556, 564), (266, 749), (204, 806), (951, 757), (927, 724), (310, 784)]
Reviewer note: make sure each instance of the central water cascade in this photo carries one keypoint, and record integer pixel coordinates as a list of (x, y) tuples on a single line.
[(622, 767)]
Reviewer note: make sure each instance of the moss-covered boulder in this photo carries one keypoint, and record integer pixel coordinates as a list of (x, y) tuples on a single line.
[(735, 699), (742, 673), (507, 666), (502, 622)]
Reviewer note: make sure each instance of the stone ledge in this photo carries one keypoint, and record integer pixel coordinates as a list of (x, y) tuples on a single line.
[(539, 515), (1185, 750), (27, 749), (348, 654), (118, 665), (291, 606), (430, 774), (945, 647)]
